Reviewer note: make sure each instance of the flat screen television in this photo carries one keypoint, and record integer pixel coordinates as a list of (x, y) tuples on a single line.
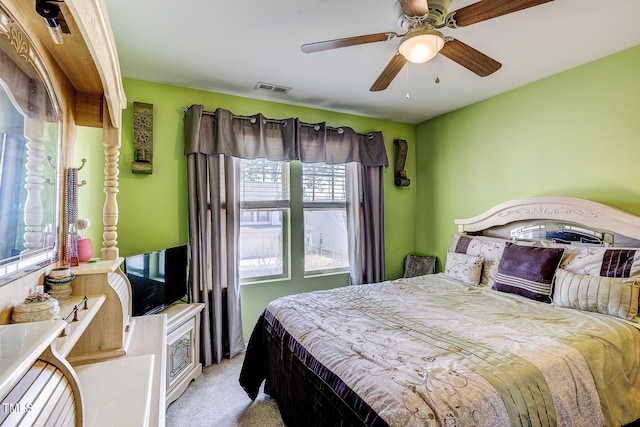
[(158, 279)]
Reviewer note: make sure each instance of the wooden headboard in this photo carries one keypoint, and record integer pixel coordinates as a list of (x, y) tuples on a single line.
[(496, 221)]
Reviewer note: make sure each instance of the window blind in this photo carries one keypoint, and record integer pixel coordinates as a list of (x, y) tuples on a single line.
[(324, 185)]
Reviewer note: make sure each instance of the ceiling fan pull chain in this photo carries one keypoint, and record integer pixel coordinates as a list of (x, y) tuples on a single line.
[(407, 83), (437, 63)]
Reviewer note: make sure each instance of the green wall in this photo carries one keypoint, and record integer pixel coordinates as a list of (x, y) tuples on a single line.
[(574, 134), (153, 210), (91, 194)]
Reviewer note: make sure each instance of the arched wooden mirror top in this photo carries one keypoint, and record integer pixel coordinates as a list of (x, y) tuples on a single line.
[(30, 135)]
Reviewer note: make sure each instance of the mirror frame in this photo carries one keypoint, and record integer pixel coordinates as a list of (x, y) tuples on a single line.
[(29, 261)]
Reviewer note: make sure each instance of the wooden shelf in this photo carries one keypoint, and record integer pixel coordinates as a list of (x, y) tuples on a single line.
[(97, 267), (74, 329)]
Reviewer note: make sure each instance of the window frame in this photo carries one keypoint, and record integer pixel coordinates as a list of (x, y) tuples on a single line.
[(324, 205), (273, 205), (293, 239)]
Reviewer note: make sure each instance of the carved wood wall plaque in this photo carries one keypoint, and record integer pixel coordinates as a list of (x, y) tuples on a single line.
[(401, 179), (142, 138)]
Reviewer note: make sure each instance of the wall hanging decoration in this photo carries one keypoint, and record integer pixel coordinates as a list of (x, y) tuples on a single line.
[(401, 179), (142, 138)]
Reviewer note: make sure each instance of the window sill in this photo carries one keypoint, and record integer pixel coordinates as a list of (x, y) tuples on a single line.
[(290, 279), (326, 274)]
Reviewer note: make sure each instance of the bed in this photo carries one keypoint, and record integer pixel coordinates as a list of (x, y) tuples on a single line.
[(533, 322)]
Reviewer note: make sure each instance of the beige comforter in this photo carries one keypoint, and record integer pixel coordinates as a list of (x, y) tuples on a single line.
[(432, 351)]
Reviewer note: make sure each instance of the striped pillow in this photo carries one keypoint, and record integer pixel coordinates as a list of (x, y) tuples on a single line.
[(528, 271), (607, 295)]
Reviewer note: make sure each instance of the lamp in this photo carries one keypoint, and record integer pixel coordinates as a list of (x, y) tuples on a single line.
[(51, 15), (421, 45)]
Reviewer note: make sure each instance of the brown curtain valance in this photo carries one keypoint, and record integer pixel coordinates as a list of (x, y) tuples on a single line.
[(257, 136)]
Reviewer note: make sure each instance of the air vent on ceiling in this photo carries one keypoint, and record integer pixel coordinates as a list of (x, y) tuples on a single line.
[(269, 87)]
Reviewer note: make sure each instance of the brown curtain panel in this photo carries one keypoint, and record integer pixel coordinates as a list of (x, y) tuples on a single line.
[(214, 141)]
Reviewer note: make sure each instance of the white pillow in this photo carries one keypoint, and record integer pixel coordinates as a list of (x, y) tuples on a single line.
[(615, 296), (490, 249), (463, 267)]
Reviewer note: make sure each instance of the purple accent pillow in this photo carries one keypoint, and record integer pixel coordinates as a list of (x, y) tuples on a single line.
[(528, 271), (617, 263), (463, 245)]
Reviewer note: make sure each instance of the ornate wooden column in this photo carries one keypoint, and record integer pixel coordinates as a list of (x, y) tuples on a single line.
[(95, 27), (112, 143)]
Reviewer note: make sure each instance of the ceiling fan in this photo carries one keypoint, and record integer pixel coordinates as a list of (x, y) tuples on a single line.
[(423, 40)]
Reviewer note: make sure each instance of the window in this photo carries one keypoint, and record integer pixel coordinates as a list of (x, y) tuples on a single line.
[(264, 204), (325, 217), (292, 208)]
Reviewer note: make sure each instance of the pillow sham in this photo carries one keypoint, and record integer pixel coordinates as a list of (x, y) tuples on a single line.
[(528, 271), (488, 248), (598, 261), (615, 296), (463, 267)]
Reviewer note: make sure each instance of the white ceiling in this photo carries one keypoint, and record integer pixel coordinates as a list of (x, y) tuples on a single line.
[(230, 46)]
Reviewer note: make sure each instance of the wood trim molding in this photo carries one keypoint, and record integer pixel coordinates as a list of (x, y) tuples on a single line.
[(92, 21)]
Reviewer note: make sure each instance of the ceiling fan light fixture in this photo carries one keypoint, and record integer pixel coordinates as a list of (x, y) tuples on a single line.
[(421, 46)]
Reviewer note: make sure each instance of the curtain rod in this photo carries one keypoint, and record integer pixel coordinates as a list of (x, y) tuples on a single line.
[(315, 127), (233, 116)]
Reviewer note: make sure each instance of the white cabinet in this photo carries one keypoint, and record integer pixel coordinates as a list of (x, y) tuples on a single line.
[(183, 347)]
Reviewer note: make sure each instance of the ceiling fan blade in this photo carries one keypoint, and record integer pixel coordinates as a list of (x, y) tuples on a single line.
[(389, 73), (347, 41), (470, 58), (414, 7), (487, 9)]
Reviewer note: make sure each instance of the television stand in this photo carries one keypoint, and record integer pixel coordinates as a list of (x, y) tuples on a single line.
[(183, 347)]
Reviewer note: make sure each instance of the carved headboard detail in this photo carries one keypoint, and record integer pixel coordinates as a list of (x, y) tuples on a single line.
[(536, 210)]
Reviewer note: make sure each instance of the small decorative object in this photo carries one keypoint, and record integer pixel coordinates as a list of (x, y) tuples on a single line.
[(58, 283), (142, 138), (85, 248), (36, 307), (60, 272), (401, 179)]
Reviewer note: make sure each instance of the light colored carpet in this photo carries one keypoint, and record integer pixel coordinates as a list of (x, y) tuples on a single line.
[(217, 400)]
